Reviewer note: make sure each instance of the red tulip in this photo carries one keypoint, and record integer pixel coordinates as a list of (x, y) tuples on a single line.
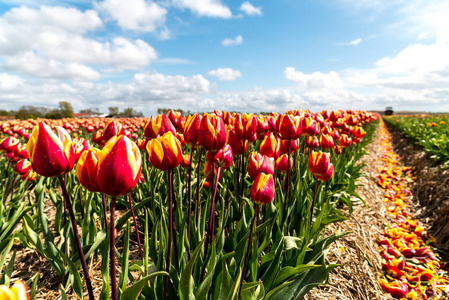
[(289, 127), (310, 127), (98, 138), (319, 163), (21, 151), (223, 157), (118, 167), (262, 189), (86, 169), (397, 288), (312, 142), (9, 144), (158, 126), (345, 141), (212, 133), (234, 141), (293, 146), (326, 141), (245, 126), (259, 163), (17, 292), (49, 154), (282, 163), (113, 128), (176, 119), (79, 146), (191, 129), (326, 176), (22, 167), (165, 152), (270, 146)]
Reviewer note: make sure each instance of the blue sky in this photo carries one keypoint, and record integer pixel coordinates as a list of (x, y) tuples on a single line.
[(247, 56)]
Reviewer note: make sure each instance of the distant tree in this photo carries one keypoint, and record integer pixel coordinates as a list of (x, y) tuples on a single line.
[(55, 114), (66, 109), (165, 111), (113, 110), (130, 112), (4, 112), (31, 112)]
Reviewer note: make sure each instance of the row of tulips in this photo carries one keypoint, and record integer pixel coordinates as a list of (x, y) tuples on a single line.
[(411, 268), (252, 230)]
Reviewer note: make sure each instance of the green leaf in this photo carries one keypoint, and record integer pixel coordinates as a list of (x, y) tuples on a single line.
[(73, 273), (235, 286), (289, 272), (133, 292), (186, 283)]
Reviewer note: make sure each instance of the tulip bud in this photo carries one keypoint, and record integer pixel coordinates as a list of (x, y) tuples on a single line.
[(262, 189), (310, 127), (21, 151), (86, 169), (158, 126), (222, 157), (312, 142), (22, 167), (98, 138), (185, 162), (212, 133), (165, 152), (293, 146), (289, 127), (259, 163), (345, 141), (245, 126), (9, 144), (282, 163), (176, 119), (191, 129), (79, 146), (49, 154), (114, 128), (262, 126), (118, 167), (270, 146), (319, 163), (326, 141)]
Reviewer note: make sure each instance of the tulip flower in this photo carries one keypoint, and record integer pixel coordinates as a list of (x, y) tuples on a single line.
[(270, 146), (284, 145), (345, 141), (176, 119), (289, 127), (21, 151), (312, 142), (86, 169), (158, 126), (246, 126), (212, 132), (223, 157), (310, 127), (319, 163), (118, 167), (114, 128), (18, 291), (165, 152), (326, 141), (22, 167), (191, 129), (49, 154), (282, 163), (210, 175), (98, 138), (235, 142), (326, 176), (9, 144), (262, 126), (262, 190), (79, 146), (259, 163)]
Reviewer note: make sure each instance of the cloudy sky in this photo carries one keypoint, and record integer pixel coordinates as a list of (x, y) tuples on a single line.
[(247, 56)]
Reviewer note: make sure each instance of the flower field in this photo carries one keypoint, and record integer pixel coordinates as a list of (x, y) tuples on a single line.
[(429, 131), (213, 206)]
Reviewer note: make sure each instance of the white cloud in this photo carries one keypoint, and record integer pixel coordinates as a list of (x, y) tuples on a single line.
[(316, 80), (51, 42), (35, 66), (250, 10), (238, 40), (226, 74), (137, 15), (355, 42), (205, 8)]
